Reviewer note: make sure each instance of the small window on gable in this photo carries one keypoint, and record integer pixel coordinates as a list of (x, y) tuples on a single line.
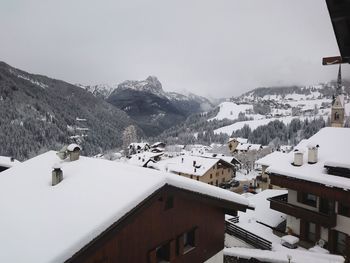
[(169, 203), (189, 240)]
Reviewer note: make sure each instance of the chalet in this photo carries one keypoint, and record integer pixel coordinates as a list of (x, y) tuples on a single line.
[(7, 162), (157, 147), (234, 142), (138, 147), (103, 211), (213, 171), (317, 176)]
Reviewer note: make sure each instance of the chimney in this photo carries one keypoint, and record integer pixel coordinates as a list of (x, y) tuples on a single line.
[(298, 158), (312, 153), (73, 152), (57, 174)]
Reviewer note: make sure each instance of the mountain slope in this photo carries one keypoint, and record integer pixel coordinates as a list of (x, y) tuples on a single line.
[(38, 113), (152, 108)]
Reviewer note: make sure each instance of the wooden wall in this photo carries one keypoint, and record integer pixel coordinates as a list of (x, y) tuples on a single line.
[(152, 225)]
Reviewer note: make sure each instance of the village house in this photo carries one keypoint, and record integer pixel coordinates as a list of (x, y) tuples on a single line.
[(263, 179), (95, 210), (317, 176), (7, 162), (234, 142), (138, 147), (213, 171)]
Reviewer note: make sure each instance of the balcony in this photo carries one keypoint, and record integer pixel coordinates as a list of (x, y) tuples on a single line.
[(280, 203)]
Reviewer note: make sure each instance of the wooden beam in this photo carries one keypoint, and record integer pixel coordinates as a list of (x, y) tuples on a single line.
[(332, 60)]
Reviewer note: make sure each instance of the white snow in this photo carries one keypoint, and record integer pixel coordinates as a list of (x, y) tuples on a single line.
[(271, 158), (290, 239), (231, 110), (253, 124), (50, 223), (281, 256), (334, 149), (185, 164), (6, 162), (262, 212)]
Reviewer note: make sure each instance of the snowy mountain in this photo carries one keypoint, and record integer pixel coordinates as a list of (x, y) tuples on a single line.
[(102, 91), (39, 113), (152, 108)]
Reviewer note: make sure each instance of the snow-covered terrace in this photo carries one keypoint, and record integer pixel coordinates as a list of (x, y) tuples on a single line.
[(44, 223)]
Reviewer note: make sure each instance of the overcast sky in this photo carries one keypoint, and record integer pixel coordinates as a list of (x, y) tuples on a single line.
[(217, 47)]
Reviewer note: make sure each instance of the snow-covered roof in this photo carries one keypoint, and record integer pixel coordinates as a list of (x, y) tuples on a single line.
[(140, 145), (6, 162), (184, 164), (248, 147), (157, 144), (140, 159), (72, 147), (240, 140), (281, 256), (50, 223), (334, 148), (226, 158), (271, 158)]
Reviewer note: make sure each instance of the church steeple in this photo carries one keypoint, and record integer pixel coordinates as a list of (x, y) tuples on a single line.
[(338, 111), (339, 82)]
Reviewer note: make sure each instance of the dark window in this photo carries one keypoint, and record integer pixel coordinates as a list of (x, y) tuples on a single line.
[(308, 199), (197, 178), (336, 116), (169, 202), (311, 231), (343, 209), (211, 176), (163, 253), (191, 176), (216, 182), (189, 240), (340, 246)]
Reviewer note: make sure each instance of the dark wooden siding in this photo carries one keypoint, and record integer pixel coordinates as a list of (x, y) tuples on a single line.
[(152, 226)]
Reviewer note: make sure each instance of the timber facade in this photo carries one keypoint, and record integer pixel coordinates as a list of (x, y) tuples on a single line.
[(172, 225), (315, 212)]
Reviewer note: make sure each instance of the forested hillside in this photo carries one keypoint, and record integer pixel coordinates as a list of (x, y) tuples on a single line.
[(38, 113)]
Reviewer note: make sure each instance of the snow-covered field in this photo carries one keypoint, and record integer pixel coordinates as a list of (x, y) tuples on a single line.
[(304, 103)]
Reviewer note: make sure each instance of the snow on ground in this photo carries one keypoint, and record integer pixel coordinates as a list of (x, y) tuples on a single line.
[(262, 212), (256, 123), (54, 222), (231, 110), (281, 255), (241, 176)]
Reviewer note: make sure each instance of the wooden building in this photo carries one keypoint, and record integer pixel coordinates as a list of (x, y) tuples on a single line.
[(318, 183), (209, 170), (105, 211)]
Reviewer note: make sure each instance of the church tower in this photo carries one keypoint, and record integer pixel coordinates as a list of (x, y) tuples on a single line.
[(338, 111)]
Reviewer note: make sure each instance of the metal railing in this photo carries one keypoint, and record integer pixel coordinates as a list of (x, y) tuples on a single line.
[(247, 236)]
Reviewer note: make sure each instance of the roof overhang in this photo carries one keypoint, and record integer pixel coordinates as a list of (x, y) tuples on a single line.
[(339, 11)]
